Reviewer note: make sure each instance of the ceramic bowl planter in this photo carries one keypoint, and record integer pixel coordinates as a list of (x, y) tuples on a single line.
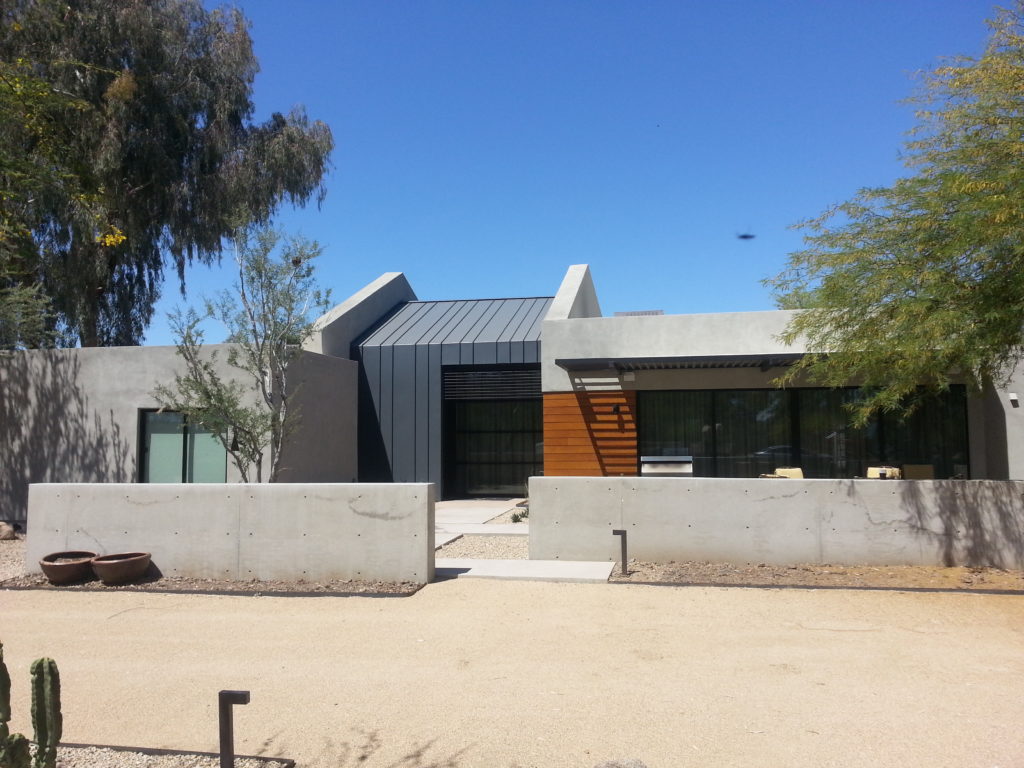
[(120, 568), (67, 567)]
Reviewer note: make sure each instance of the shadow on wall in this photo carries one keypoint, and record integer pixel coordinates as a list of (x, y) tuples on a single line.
[(973, 523), (49, 431)]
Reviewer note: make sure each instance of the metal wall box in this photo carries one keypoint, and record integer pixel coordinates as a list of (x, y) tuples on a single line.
[(666, 466)]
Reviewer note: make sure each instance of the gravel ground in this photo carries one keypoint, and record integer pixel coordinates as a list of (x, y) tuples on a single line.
[(488, 548), (890, 576), (12, 558), (95, 757), (482, 672), (12, 574)]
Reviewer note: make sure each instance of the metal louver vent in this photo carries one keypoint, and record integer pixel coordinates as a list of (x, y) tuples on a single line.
[(491, 385)]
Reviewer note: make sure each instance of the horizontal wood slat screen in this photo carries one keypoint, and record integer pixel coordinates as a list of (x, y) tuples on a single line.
[(583, 435)]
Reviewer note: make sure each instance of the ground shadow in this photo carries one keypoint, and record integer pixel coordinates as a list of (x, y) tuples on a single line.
[(364, 747)]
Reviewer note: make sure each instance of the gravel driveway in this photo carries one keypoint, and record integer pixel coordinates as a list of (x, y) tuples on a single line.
[(475, 673)]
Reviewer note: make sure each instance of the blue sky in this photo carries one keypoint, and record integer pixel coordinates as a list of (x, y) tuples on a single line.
[(484, 146)]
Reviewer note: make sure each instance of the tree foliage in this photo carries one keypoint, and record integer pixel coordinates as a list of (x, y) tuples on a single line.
[(908, 287), (268, 320), (34, 167), (164, 155)]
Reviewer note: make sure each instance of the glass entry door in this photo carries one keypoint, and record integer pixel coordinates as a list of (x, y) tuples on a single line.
[(492, 446)]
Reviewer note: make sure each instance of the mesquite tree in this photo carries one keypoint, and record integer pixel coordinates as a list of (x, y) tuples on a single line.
[(269, 315), (908, 287)]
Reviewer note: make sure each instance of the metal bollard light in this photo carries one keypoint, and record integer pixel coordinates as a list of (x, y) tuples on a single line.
[(225, 699), (622, 533)]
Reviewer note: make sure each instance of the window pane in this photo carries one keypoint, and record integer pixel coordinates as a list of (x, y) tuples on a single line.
[(207, 459), (753, 432), (496, 445), (163, 447), (934, 435), (830, 447), (677, 424)]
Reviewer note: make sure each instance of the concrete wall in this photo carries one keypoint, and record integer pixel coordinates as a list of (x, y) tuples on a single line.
[(72, 415), (845, 522), (280, 531), (341, 326)]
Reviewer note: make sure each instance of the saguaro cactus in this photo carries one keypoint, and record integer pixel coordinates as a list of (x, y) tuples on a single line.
[(46, 718)]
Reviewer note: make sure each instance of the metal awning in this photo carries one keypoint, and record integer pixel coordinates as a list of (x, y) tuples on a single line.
[(621, 364)]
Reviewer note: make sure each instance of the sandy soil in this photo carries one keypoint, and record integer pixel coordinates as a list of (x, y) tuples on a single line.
[(473, 673)]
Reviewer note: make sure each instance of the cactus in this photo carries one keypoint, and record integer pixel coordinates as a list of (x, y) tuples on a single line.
[(5, 713), (46, 718), (17, 752)]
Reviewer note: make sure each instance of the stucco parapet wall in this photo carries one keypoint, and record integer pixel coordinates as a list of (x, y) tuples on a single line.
[(339, 327), (296, 531), (781, 522), (576, 296), (721, 335)]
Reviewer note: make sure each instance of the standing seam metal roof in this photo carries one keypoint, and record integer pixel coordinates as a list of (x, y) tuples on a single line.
[(462, 321)]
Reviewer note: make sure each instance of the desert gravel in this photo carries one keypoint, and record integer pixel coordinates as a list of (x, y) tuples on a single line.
[(94, 757), (487, 673), (12, 574), (12, 558), (488, 548)]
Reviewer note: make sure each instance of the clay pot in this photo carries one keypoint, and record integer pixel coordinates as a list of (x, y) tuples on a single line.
[(120, 568), (67, 567)]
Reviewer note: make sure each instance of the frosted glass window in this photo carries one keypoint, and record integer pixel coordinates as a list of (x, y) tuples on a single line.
[(174, 451)]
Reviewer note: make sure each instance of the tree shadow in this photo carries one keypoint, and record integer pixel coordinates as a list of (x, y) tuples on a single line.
[(977, 523), (364, 747), (50, 431)]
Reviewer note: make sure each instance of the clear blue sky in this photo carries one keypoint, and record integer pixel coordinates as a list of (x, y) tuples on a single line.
[(484, 146)]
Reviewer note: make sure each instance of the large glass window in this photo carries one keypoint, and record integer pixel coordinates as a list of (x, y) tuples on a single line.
[(175, 451), (495, 446), (744, 433)]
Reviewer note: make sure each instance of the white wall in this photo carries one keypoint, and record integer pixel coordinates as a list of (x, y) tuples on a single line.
[(245, 531), (850, 522)]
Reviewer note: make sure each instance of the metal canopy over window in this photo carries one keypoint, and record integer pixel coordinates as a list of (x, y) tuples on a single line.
[(676, 362)]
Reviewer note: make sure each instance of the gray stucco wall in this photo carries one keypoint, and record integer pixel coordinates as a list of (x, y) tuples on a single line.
[(710, 335), (72, 415), (322, 449), (845, 522), (342, 325), (242, 532), (576, 295)]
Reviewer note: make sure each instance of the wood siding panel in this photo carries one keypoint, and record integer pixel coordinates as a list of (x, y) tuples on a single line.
[(583, 435)]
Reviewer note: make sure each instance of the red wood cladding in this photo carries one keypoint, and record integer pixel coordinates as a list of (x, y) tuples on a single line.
[(583, 435)]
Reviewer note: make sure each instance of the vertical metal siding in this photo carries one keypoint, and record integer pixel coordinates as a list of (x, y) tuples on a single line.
[(401, 363)]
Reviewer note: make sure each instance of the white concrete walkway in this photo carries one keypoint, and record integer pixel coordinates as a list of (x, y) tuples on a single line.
[(453, 519), (466, 517)]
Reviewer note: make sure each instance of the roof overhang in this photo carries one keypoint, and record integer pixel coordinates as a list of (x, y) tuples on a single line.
[(677, 362)]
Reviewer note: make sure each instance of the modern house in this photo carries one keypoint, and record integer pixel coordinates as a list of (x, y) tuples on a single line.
[(478, 395)]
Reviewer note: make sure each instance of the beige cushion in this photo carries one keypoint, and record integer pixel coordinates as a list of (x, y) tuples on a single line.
[(793, 472), (891, 473)]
